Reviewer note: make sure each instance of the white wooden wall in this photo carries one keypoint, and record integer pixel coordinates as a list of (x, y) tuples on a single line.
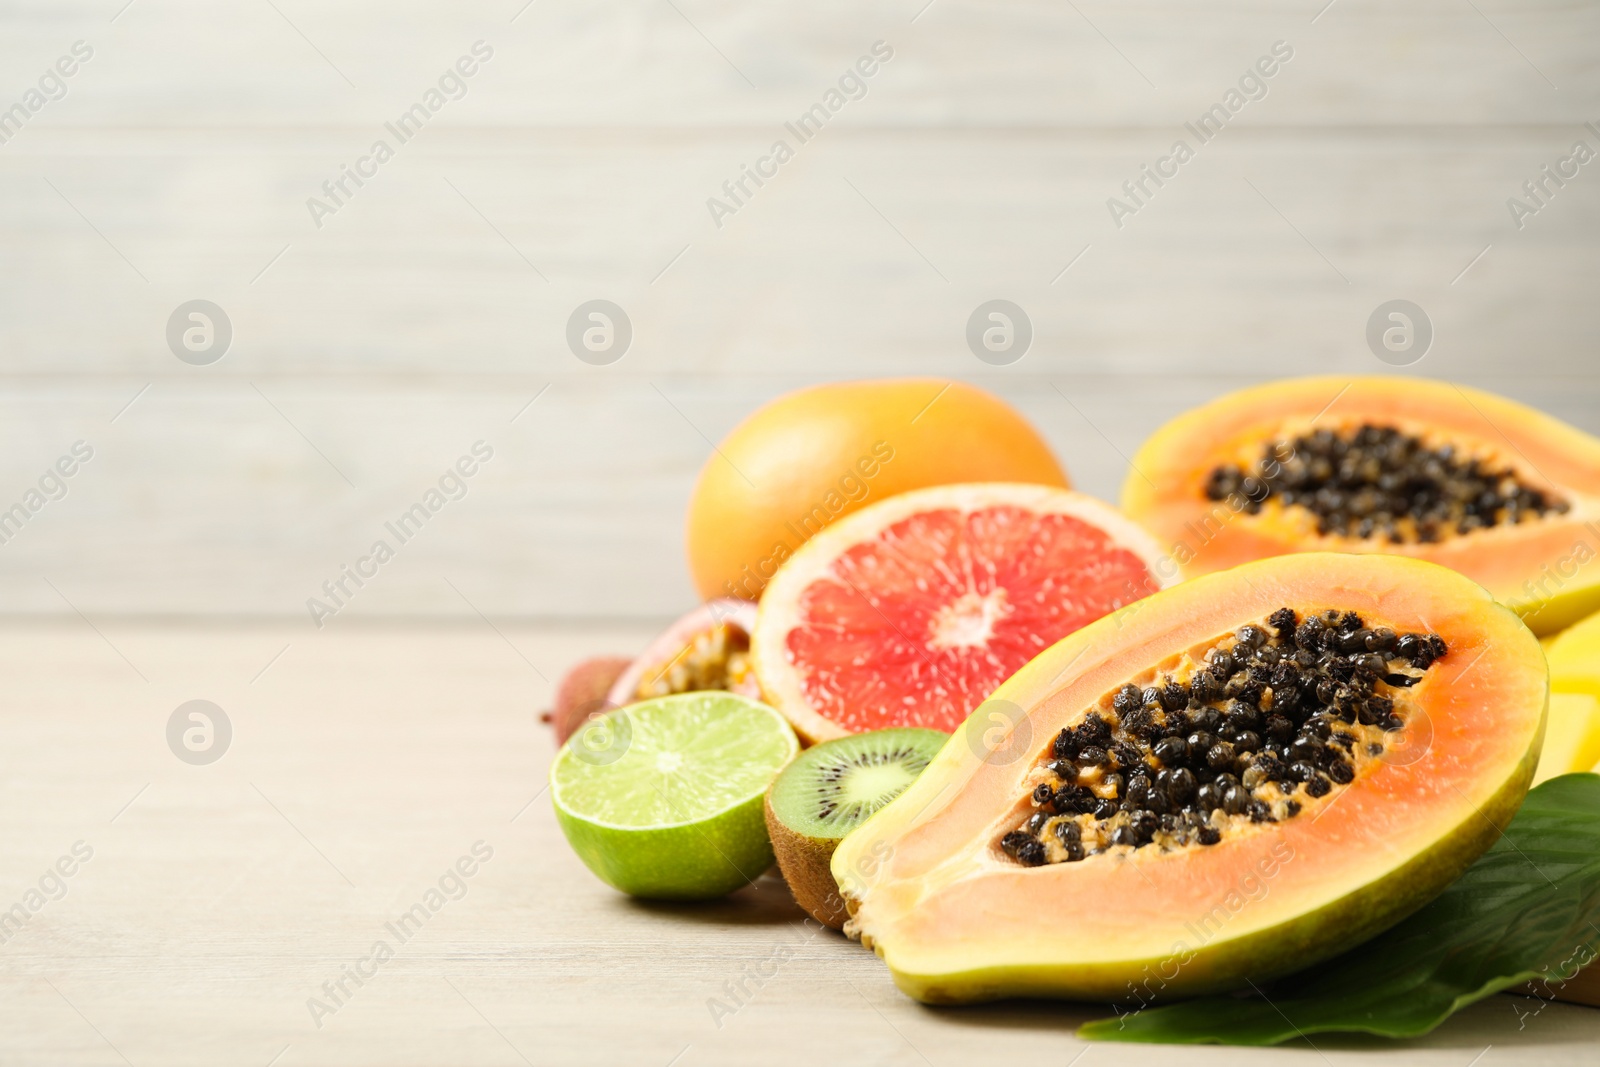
[(370, 353)]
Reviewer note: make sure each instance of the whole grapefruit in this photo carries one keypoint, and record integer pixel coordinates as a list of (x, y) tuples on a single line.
[(807, 459)]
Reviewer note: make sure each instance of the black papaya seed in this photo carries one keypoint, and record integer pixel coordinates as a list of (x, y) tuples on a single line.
[(1304, 747), (1138, 721), (1272, 708), (1251, 636), (1310, 635), (1128, 757), (1236, 801), (1172, 750), (1381, 639), (1014, 841), (1283, 622), (1351, 640), (1094, 731), (1138, 790), (1373, 664)]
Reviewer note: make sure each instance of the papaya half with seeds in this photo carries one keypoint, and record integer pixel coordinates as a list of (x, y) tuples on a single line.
[(1505, 495), (1224, 782)]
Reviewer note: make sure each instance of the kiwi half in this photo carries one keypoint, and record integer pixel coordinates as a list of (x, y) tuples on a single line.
[(829, 790)]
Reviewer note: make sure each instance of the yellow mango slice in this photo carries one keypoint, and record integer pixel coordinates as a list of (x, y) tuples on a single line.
[(1574, 657), (1571, 736)]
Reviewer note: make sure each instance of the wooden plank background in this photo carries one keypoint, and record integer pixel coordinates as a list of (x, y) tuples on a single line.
[(369, 353)]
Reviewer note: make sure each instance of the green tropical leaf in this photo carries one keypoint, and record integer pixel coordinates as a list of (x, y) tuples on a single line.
[(1528, 909)]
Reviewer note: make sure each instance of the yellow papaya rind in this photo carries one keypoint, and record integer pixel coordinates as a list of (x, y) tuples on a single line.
[(1226, 964), (1546, 571), (1256, 943)]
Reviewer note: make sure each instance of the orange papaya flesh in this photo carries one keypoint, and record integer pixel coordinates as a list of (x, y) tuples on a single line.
[(1545, 566), (957, 919)]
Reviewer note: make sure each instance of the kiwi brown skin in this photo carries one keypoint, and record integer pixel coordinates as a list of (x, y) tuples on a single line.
[(804, 863), (825, 801)]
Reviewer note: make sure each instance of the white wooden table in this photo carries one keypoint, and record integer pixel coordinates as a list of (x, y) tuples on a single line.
[(364, 763)]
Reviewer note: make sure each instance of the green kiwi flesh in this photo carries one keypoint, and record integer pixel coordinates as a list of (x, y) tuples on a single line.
[(829, 790)]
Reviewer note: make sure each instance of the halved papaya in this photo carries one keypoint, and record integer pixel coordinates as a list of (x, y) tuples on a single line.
[(1226, 781), (1490, 488)]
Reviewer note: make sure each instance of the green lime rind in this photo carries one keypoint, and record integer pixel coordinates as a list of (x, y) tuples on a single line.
[(1527, 910), (663, 799), (693, 862)]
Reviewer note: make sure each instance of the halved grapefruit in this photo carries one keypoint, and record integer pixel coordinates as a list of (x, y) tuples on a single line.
[(910, 612)]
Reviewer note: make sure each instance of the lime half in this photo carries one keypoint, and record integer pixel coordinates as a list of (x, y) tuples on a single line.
[(663, 798)]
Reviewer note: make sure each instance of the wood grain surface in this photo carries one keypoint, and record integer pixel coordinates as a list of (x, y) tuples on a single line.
[(364, 764), (431, 308)]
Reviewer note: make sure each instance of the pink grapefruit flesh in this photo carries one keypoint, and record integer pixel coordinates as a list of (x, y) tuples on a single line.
[(912, 611)]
